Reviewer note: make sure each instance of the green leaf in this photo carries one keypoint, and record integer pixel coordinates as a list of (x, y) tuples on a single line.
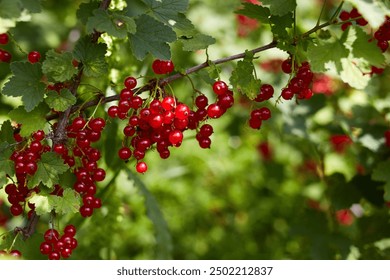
[(280, 24), (381, 173), (33, 6), (92, 56), (50, 166), (280, 7), (243, 80), (42, 204), (163, 236), (255, 11), (152, 37), (60, 101), (10, 9), (374, 11), (68, 203), (197, 42), (337, 187), (30, 121), (323, 53), (367, 49), (26, 82), (168, 11), (86, 10), (6, 165), (353, 75), (114, 24), (7, 132), (58, 67)]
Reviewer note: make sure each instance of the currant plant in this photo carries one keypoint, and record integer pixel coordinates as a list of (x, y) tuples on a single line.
[(135, 79)]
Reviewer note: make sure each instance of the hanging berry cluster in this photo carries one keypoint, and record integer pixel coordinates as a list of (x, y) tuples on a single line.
[(56, 246), (162, 120)]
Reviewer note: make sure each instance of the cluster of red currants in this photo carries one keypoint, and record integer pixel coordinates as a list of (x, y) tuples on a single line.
[(56, 246), (163, 120), (25, 160), (5, 56), (83, 159), (300, 85), (382, 35), (352, 15)]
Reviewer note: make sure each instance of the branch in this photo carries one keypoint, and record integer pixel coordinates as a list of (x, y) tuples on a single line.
[(169, 79)]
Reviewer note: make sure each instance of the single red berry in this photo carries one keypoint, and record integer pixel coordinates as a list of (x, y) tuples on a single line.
[(287, 94), (124, 153), (126, 94), (45, 248), (182, 111), (344, 15), (175, 137), (5, 56), (86, 211), (287, 66), (220, 87), (4, 38), (201, 101), (51, 236), (344, 26), (15, 253), (206, 130), (130, 82), (97, 124), (255, 123), (54, 255), (34, 56), (168, 103), (204, 142), (215, 111), (265, 113), (141, 167), (383, 45), (157, 66), (99, 174), (70, 230), (167, 67), (16, 209)]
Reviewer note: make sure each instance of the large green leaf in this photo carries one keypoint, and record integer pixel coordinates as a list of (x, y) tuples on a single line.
[(26, 82), (280, 7), (197, 42), (169, 11), (7, 132), (151, 37), (92, 56), (60, 101), (374, 11), (243, 80), (324, 53), (115, 24), (50, 166), (30, 121), (68, 203), (255, 11), (58, 67), (6, 165), (367, 49)]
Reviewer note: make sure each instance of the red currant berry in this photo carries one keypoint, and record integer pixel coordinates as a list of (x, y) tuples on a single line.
[(175, 137), (45, 248), (287, 66), (34, 56), (4, 38), (70, 230), (168, 103), (51, 236), (130, 82), (5, 56), (141, 167), (54, 255), (124, 153), (201, 101), (182, 111), (214, 111), (16, 209), (157, 67), (287, 94), (113, 111), (220, 87)]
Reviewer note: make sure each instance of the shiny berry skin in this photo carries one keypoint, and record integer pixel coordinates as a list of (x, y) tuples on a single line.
[(54, 255), (124, 153), (168, 103), (287, 94), (168, 67), (51, 235), (4, 39), (220, 87), (97, 124), (99, 174), (206, 130), (175, 137), (15, 253), (45, 248), (214, 111), (16, 209), (113, 111), (265, 113), (130, 82), (156, 66), (287, 66), (201, 101), (34, 57), (70, 230), (141, 167), (344, 15), (5, 56), (182, 111)]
